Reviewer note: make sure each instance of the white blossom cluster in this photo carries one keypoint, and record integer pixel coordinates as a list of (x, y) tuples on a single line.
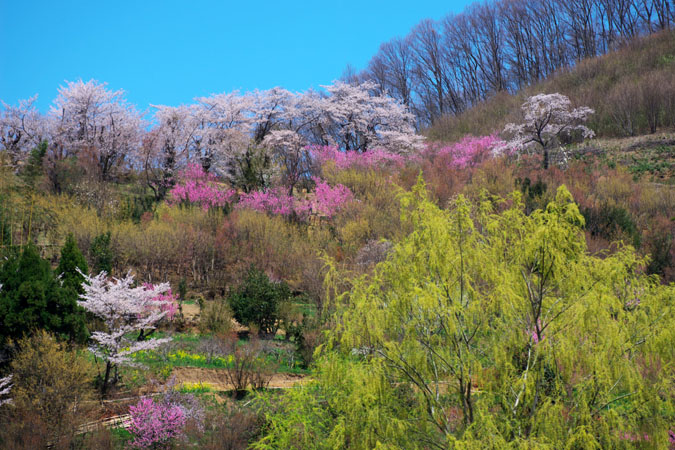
[(546, 119), (125, 310), (5, 388), (102, 130)]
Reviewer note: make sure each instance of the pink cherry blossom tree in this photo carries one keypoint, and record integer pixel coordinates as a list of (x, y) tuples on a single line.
[(125, 311), (547, 118), (155, 424), (468, 152), (197, 187)]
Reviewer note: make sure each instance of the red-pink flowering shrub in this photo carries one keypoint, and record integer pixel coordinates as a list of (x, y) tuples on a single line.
[(327, 200), (348, 159), (154, 425), (468, 152), (167, 301), (201, 188), (274, 201)]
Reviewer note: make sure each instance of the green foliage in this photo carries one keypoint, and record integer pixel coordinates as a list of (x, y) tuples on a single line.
[(611, 222), (491, 328), (72, 262), (33, 169), (32, 298), (256, 301), (50, 380), (215, 317), (101, 253), (251, 170)]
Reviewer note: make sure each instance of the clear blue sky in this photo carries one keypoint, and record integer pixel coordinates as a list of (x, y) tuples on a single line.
[(167, 52)]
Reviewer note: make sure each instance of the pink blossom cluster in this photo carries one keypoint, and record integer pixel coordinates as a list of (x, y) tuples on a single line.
[(671, 438), (625, 436), (347, 159), (154, 425), (198, 187), (326, 201), (533, 333), (166, 301), (274, 201), (468, 152)]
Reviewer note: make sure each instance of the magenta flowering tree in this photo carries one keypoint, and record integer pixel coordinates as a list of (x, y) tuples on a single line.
[(164, 301), (197, 187), (326, 201), (125, 311), (468, 152), (330, 199), (155, 424), (274, 201), (349, 159)]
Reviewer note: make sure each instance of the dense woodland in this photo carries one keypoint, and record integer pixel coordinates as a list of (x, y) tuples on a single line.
[(293, 270)]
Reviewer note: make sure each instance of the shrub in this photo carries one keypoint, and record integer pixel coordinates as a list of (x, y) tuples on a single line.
[(232, 429), (256, 301), (155, 425), (50, 383), (247, 367), (215, 317), (198, 187), (101, 253)]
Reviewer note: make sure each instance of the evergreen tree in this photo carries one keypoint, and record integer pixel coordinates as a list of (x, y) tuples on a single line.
[(101, 253), (33, 168), (32, 298), (257, 300), (72, 260)]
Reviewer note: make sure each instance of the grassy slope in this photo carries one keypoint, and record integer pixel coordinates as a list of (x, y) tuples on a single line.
[(588, 83)]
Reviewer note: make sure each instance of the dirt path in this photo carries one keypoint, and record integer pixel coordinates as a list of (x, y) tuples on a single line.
[(217, 379)]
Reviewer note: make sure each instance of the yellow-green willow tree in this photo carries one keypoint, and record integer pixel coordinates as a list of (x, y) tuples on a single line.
[(489, 328)]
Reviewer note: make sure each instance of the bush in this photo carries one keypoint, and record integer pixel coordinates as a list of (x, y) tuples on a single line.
[(612, 223), (155, 425), (230, 430), (51, 384), (101, 253), (215, 317), (256, 301)]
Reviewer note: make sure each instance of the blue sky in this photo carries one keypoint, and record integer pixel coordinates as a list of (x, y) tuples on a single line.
[(167, 52)]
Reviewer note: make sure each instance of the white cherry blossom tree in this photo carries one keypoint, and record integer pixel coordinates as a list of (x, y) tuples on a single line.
[(546, 119), (21, 129), (357, 119), (5, 388), (126, 312), (95, 123)]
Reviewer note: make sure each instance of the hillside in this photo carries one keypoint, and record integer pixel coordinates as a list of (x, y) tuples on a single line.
[(627, 88)]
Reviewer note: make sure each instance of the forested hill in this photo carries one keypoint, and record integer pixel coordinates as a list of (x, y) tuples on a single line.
[(632, 91), (446, 66)]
